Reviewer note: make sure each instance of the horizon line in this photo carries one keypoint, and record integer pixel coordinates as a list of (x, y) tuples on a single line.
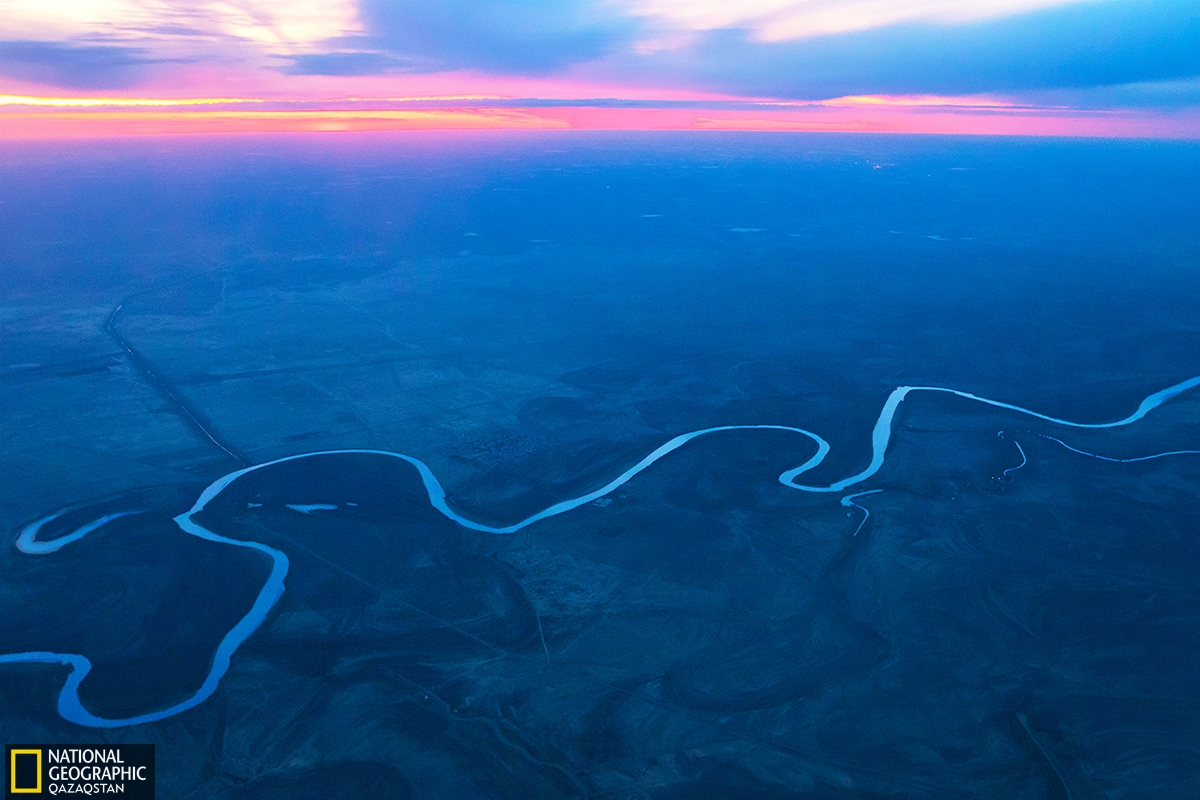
[(96, 118)]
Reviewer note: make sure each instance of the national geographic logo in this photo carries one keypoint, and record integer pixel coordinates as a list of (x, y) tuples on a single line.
[(37, 770)]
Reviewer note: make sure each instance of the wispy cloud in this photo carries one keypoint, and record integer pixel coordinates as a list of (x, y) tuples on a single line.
[(1079, 46), (788, 20), (284, 24)]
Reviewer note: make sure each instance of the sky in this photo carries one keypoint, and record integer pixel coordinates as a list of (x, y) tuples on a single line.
[(1117, 68)]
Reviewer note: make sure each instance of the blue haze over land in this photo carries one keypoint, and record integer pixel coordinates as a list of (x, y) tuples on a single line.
[(534, 318)]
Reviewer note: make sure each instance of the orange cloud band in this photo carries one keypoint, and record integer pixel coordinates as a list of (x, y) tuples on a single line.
[(864, 118), (125, 123)]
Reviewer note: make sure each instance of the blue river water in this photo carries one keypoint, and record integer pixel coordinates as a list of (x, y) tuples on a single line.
[(71, 708)]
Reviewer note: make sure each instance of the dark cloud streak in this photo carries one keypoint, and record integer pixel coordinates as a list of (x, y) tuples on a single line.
[(352, 63), (74, 66)]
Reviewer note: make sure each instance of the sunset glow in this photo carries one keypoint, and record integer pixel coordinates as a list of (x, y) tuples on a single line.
[(1001, 67), (856, 118)]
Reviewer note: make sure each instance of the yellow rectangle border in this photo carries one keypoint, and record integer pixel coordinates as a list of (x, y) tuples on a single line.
[(12, 772)]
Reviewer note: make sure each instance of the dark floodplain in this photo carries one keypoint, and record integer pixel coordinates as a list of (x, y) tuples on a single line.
[(530, 316)]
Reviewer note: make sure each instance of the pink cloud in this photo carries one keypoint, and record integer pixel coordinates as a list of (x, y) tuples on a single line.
[(880, 115)]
